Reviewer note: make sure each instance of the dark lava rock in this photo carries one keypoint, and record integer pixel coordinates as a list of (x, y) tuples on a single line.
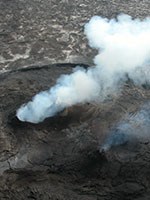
[(60, 158), (51, 31)]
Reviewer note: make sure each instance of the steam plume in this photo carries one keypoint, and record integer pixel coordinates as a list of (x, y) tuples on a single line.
[(133, 127), (123, 50)]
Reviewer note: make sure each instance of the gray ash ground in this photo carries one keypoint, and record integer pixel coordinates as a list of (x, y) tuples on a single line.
[(60, 158)]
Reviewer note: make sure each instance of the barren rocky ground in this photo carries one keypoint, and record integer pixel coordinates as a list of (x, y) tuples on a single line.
[(60, 158), (51, 31)]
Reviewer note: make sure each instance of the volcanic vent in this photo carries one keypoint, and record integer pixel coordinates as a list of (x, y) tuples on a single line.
[(123, 53), (66, 147), (86, 149)]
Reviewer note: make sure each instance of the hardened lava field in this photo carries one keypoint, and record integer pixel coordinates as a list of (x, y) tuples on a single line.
[(61, 158)]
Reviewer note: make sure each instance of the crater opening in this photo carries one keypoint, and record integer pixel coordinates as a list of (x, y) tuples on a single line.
[(72, 143)]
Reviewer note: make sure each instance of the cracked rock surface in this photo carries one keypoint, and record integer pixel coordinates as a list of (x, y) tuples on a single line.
[(60, 158), (51, 31)]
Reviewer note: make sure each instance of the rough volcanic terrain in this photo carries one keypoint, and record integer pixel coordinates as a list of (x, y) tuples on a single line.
[(61, 158), (50, 31)]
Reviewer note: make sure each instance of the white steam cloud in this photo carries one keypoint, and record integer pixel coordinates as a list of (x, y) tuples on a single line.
[(124, 51)]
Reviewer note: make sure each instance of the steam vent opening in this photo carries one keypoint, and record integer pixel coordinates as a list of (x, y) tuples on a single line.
[(75, 100), (90, 141)]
